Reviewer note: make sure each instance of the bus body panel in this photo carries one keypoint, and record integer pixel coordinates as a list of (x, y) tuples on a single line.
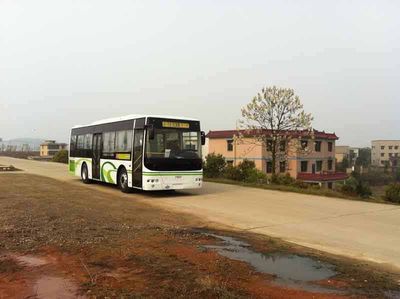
[(109, 170), (75, 165), (172, 180)]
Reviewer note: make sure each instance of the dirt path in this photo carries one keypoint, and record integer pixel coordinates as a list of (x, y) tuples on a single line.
[(356, 229)]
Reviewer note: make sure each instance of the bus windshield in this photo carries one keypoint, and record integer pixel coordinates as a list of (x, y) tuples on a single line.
[(174, 144)]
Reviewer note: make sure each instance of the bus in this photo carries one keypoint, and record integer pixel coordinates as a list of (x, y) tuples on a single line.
[(139, 152)]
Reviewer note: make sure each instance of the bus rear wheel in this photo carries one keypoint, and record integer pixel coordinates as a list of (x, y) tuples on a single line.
[(123, 181), (85, 174)]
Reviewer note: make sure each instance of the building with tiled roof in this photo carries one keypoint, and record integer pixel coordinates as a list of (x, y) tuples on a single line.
[(316, 165)]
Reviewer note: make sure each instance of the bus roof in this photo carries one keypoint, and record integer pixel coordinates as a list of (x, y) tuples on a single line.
[(129, 117)]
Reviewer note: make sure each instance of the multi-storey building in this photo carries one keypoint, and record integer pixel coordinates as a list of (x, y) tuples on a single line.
[(345, 151), (385, 152), (308, 159), (49, 148)]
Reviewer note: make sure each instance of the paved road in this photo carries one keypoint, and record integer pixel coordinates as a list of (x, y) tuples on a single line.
[(353, 228)]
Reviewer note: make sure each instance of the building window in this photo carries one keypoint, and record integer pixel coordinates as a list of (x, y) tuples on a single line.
[(304, 166), (319, 166), (396, 155), (269, 145), (330, 146), (396, 147), (269, 167), (304, 144), (229, 145), (282, 146), (382, 154), (330, 164), (330, 185), (383, 162), (317, 146), (382, 147), (282, 166), (390, 147), (390, 154), (229, 163)]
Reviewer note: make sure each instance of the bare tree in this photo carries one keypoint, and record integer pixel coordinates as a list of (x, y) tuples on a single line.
[(273, 118)]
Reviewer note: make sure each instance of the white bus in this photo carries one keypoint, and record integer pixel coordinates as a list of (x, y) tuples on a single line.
[(139, 151)]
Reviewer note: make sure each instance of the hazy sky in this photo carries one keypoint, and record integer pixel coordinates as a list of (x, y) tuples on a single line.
[(71, 62)]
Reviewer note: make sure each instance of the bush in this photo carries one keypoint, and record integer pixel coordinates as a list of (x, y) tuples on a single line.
[(246, 168), (232, 173), (392, 193), (255, 176), (61, 157), (282, 179), (214, 165), (376, 177), (300, 185), (356, 187)]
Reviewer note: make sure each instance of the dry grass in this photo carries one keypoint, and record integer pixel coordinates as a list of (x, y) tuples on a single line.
[(122, 248)]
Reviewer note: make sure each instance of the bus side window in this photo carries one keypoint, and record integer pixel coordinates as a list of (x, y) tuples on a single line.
[(88, 142), (124, 141), (109, 142), (81, 142), (72, 146)]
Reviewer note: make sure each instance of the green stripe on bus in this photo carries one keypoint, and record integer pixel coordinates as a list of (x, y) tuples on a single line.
[(106, 175)]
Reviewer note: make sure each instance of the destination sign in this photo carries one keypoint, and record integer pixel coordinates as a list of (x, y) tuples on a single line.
[(179, 125)]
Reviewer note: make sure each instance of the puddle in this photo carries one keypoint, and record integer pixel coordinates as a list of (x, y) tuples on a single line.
[(48, 287), (30, 261), (292, 271)]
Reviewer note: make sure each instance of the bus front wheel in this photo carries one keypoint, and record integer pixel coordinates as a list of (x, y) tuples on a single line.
[(85, 174), (123, 181)]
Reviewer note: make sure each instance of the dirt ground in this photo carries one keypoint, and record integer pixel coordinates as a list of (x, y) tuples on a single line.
[(60, 240)]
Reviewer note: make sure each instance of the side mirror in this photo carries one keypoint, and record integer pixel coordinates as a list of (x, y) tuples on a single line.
[(150, 131), (203, 138)]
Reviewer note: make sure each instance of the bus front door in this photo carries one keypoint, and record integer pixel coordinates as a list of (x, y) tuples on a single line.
[(97, 144), (137, 158)]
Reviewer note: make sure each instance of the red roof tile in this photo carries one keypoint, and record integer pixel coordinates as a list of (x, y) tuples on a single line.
[(323, 176), (231, 133)]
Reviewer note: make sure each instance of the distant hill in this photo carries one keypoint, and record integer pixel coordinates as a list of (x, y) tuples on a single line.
[(19, 143)]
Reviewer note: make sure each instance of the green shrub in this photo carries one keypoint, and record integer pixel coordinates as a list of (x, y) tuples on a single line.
[(300, 185), (376, 177), (392, 193), (232, 173), (282, 179), (214, 165), (61, 157), (356, 187), (246, 168), (253, 175)]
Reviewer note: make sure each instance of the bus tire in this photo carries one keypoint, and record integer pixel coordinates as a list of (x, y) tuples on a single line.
[(123, 181), (85, 174)]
